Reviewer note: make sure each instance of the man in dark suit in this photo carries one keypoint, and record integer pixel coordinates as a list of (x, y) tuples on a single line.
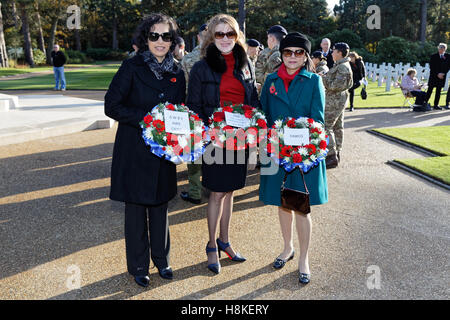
[(439, 64), (326, 51)]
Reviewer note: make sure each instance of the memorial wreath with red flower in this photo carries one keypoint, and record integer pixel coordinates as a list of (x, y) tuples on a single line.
[(239, 133), (305, 156), (177, 148)]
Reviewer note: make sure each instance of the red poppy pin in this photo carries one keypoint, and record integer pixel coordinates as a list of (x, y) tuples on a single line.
[(173, 80), (272, 89)]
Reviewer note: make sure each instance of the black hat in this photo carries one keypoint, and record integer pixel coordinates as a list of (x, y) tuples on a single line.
[(202, 27), (296, 39), (277, 29), (318, 54), (253, 43), (179, 40)]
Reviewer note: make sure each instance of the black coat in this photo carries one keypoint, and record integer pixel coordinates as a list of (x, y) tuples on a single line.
[(438, 65), (205, 76), (358, 70), (137, 175), (330, 61)]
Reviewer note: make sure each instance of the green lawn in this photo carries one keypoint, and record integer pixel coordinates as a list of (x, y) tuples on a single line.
[(95, 78), (435, 139), (378, 97)]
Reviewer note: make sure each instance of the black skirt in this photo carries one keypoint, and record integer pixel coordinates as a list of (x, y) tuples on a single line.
[(229, 175)]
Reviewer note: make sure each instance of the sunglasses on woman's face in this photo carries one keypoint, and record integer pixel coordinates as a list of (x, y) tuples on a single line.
[(288, 53), (154, 36), (230, 35)]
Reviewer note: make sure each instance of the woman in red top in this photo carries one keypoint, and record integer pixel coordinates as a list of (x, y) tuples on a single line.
[(223, 76)]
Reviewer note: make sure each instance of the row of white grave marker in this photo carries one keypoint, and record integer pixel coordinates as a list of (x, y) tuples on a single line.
[(391, 75)]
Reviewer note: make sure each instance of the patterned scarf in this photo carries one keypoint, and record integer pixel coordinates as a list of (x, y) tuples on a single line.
[(157, 68)]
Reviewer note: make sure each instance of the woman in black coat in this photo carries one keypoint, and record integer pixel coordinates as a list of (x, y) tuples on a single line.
[(142, 180), (359, 73), (223, 75)]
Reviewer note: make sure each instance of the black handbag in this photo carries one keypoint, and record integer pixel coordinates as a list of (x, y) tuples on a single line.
[(293, 199), (364, 93)]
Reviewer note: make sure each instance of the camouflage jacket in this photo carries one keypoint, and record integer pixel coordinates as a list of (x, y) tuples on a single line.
[(188, 62), (268, 61), (339, 79), (322, 67)]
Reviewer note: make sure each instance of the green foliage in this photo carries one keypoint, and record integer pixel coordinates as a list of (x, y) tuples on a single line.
[(38, 57), (345, 35), (76, 57), (105, 54), (397, 49)]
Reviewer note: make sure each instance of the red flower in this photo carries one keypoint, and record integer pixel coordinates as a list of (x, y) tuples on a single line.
[(248, 114), (170, 107), (323, 145), (173, 80), (310, 121), (227, 109), (159, 125), (312, 148), (247, 108), (219, 116), (226, 128), (261, 123), (297, 158), (148, 119), (286, 151), (291, 123)]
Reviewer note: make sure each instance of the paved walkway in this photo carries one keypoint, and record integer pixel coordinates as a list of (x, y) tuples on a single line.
[(57, 225)]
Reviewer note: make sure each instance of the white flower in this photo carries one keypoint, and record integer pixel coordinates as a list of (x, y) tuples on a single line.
[(303, 151), (169, 150), (315, 141), (307, 162), (198, 130), (287, 159), (313, 158), (278, 124), (159, 116), (148, 133)]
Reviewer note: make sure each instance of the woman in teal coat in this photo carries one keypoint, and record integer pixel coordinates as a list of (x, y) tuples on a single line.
[(294, 91)]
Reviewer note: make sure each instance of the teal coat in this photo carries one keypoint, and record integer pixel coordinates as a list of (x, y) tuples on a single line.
[(305, 98)]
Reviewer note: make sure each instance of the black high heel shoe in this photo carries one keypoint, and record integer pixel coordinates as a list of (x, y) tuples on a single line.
[(279, 263), (214, 267), (222, 246), (143, 281)]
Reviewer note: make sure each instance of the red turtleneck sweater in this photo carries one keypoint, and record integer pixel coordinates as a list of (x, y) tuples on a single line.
[(231, 89)]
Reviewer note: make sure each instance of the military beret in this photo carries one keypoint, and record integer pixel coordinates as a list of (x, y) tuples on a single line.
[(277, 29), (253, 43), (319, 55), (341, 46), (296, 39)]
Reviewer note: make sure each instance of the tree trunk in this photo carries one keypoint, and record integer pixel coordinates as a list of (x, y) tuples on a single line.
[(423, 22), (115, 42), (15, 15), (242, 15), (41, 42), (28, 50), (51, 39), (3, 53), (77, 40)]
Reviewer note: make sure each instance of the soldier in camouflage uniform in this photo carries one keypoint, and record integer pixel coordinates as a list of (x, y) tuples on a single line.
[(337, 81), (270, 59), (253, 50), (194, 195)]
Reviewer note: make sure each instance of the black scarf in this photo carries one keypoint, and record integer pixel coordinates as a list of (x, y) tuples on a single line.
[(168, 65)]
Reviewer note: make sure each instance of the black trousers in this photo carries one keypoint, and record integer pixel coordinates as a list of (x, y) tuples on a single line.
[(437, 95), (352, 92), (420, 97), (139, 222)]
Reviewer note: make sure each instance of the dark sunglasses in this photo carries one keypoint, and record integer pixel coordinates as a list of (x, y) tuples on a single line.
[(221, 35), (288, 53), (154, 36)]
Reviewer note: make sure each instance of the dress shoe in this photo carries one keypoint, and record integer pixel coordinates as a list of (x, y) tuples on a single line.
[(279, 263), (446, 107), (166, 273), (331, 161), (143, 281), (222, 246), (351, 108), (214, 267), (304, 278), (437, 108), (185, 196)]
